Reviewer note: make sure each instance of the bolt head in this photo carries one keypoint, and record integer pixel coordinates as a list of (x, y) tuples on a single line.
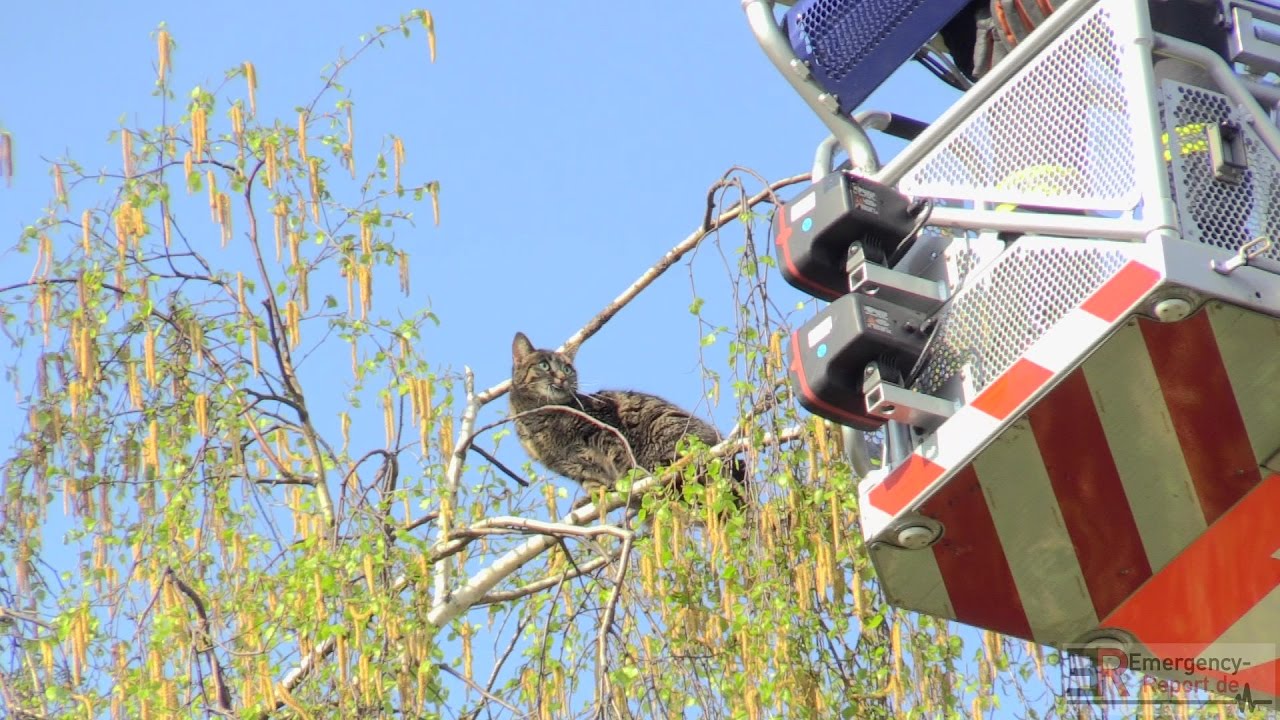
[(916, 537), (1172, 310)]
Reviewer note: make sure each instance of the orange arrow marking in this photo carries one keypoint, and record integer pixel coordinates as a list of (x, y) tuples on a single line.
[(1210, 586)]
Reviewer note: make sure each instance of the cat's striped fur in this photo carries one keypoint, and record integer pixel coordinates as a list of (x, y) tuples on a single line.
[(579, 448)]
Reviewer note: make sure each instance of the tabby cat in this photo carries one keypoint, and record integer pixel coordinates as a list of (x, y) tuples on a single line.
[(582, 450)]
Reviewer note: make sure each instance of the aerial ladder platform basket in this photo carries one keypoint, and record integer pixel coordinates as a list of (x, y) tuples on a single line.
[(1059, 306)]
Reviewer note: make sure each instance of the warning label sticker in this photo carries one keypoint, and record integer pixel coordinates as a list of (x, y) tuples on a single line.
[(820, 331), (804, 206)]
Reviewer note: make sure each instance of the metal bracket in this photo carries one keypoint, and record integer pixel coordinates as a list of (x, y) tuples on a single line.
[(1227, 153), (894, 402), (1254, 40), (1248, 252), (909, 291)]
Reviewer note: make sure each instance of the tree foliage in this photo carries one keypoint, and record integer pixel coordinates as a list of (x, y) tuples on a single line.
[(197, 520)]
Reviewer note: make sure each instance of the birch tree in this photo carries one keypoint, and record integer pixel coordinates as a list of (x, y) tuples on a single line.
[(185, 533)]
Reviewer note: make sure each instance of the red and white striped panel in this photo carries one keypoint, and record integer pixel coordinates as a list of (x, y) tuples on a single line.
[(1130, 495), (1219, 598), (954, 442)]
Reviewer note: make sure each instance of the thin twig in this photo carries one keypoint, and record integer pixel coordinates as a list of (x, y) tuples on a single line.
[(610, 609), (539, 585), (300, 480), (474, 686), (221, 692), (497, 665), (25, 617), (498, 464)]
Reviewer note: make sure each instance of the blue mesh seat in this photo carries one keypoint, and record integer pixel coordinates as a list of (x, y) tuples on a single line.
[(852, 46)]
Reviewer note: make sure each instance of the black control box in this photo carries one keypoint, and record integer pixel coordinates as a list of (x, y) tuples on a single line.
[(830, 353), (813, 233)]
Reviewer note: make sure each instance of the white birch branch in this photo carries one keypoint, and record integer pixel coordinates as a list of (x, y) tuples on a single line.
[(684, 247), (452, 481)]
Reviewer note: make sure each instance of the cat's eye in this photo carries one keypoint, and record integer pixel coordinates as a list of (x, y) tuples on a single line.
[(543, 365)]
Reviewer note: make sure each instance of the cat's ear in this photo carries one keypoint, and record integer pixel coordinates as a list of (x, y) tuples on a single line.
[(520, 347)]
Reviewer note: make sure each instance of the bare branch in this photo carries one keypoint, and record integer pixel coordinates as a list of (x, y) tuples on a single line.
[(477, 590), (429, 517), (498, 464), (222, 694), (646, 278), (550, 581), (548, 528), (475, 686), (11, 614), (300, 480), (606, 624), (671, 257)]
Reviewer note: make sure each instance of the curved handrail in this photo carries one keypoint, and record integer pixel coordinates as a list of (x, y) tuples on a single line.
[(893, 124), (764, 25)]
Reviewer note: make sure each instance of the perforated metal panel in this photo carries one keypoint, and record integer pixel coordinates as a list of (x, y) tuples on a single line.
[(1211, 211), (842, 32), (852, 46), (1058, 133), (998, 315)]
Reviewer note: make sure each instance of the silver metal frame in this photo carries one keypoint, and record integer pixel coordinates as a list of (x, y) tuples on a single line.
[(976, 96), (1024, 300), (764, 25), (1151, 213), (1151, 231), (824, 156), (1153, 220), (1155, 214)]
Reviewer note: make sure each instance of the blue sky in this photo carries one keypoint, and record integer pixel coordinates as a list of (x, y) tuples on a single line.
[(574, 143)]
